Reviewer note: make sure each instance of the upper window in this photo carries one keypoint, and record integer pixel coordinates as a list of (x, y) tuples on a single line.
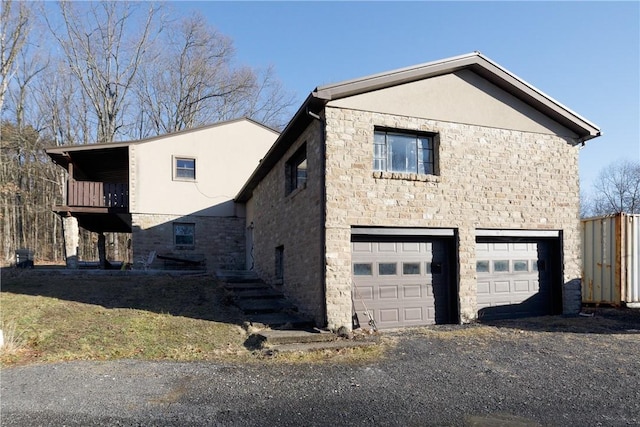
[(406, 152), (296, 170), (184, 235), (184, 168)]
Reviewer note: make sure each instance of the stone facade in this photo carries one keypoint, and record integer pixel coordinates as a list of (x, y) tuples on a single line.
[(219, 239), (488, 178), (294, 222)]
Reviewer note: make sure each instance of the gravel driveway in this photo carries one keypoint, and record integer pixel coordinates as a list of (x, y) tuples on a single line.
[(507, 374)]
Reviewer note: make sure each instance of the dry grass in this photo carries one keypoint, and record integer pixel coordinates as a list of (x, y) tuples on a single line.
[(350, 355), (11, 340), (56, 316), (55, 329)]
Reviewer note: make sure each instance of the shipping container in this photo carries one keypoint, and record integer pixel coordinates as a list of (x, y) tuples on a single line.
[(611, 260)]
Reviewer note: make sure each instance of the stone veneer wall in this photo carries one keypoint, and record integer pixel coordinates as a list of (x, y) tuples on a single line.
[(293, 221), (488, 178), (220, 239)]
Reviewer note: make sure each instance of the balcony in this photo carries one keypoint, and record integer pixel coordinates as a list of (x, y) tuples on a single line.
[(98, 195)]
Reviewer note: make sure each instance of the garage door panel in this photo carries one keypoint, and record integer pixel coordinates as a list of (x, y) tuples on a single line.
[(431, 313), (388, 292), (388, 315), (501, 287), (400, 286), (412, 292), (524, 286), (522, 247), (365, 292), (411, 247), (509, 283), (362, 247), (414, 314), (387, 247), (484, 288), (482, 247)]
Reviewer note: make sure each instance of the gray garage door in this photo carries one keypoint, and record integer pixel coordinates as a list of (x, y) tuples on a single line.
[(514, 279), (400, 283)]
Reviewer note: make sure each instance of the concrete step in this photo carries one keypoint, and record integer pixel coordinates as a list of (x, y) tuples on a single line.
[(253, 305), (293, 336), (275, 320), (315, 346)]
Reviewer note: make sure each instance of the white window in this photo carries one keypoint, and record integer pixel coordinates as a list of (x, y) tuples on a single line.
[(396, 151), (184, 168), (184, 235)]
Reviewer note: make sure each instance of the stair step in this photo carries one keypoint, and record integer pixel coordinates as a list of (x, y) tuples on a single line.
[(252, 305), (261, 303), (275, 320), (237, 276), (246, 286), (278, 337)]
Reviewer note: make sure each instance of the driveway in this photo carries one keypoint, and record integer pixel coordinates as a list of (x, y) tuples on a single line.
[(528, 373)]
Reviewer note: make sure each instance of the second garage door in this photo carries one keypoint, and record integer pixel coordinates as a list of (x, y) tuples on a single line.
[(515, 278), (401, 283)]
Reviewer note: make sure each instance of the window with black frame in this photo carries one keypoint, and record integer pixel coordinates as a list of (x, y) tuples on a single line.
[(296, 170), (404, 152)]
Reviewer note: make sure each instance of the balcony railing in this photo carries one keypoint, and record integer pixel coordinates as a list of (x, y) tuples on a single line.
[(98, 194)]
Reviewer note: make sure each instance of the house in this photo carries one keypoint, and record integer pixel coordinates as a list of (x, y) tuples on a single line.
[(436, 193), (173, 193)]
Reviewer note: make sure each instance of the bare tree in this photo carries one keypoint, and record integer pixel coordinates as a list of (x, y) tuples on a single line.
[(266, 101), (105, 71), (198, 84), (14, 29), (63, 110), (586, 204), (104, 54), (617, 189)]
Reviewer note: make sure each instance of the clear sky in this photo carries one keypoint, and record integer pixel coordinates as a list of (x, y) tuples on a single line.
[(586, 55)]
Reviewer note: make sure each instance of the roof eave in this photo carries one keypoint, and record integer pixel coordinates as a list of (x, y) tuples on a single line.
[(479, 64), (300, 120)]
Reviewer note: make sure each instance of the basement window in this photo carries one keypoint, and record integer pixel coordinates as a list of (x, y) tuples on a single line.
[(184, 235)]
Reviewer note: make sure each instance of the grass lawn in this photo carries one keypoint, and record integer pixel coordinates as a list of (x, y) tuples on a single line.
[(52, 316)]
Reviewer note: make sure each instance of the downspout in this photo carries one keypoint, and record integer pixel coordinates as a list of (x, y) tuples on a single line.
[(323, 210)]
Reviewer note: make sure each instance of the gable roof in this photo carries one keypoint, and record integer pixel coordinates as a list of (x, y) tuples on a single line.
[(475, 62), (480, 65), (60, 154)]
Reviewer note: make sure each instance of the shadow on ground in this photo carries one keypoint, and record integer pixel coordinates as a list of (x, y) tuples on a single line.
[(196, 296), (594, 320)]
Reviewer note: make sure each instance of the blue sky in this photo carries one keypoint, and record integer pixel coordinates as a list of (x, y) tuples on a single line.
[(586, 55)]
